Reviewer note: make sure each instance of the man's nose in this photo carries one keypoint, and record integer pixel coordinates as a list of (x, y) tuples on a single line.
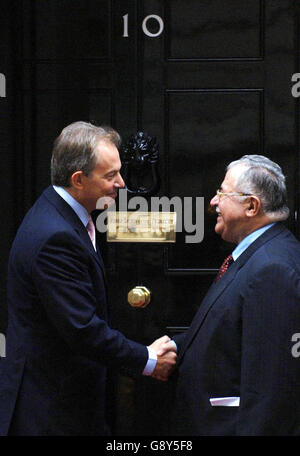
[(214, 201), (119, 182)]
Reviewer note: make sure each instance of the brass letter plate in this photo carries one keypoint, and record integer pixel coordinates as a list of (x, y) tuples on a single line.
[(141, 226)]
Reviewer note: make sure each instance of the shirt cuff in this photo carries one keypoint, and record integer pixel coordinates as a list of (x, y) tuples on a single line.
[(151, 363), (175, 345)]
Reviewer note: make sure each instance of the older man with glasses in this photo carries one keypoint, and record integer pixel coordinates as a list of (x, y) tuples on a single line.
[(237, 374)]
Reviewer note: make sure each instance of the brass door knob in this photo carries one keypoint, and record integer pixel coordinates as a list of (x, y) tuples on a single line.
[(139, 297)]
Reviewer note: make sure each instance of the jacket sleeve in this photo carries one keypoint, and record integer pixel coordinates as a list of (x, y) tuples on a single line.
[(61, 273), (270, 373), (179, 339)]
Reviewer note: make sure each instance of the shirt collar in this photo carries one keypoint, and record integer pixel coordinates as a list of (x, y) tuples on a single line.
[(80, 211), (244, 244)]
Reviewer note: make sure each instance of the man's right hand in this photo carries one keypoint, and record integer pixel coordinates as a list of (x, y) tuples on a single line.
[(166, 358), (165, 365)]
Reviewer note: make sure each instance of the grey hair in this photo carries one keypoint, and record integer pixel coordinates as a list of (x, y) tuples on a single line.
[(75, 150), (264, 178)]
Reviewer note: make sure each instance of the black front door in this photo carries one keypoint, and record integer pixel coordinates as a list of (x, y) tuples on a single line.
[(208, 81)]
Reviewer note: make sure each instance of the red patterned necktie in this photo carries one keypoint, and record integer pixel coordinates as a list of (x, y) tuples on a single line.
[(226, 263)]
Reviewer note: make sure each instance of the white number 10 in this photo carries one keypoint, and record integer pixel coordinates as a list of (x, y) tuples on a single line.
[(144, 26)]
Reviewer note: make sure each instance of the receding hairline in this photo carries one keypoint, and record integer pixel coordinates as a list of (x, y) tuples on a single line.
[(245, 166), (242, 167), (81, 127)]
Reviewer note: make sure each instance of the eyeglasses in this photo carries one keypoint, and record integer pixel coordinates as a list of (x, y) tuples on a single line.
[(220, 194)]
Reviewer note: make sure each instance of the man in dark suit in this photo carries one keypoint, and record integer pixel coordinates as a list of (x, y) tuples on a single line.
[(59, 344), (236, 371)]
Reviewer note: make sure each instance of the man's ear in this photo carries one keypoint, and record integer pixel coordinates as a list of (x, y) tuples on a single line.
[(77, 180), (252, 206)]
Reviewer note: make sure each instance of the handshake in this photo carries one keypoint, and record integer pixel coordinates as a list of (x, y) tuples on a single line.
[(165, 350)]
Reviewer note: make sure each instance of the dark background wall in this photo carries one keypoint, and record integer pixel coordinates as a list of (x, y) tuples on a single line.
[(8, 133)]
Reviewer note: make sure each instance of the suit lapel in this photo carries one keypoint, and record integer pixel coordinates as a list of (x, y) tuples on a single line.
[(211, 296), (68, 213), (218, 288)]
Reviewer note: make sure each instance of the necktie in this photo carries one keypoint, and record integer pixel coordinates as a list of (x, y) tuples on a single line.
[(226, 263), (91, 230)]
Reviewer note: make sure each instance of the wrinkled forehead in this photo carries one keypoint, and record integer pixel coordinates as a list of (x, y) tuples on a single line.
[(232, 176)]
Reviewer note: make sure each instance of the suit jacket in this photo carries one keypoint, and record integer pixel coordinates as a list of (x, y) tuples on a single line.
[(52, 381), (239, 345)]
